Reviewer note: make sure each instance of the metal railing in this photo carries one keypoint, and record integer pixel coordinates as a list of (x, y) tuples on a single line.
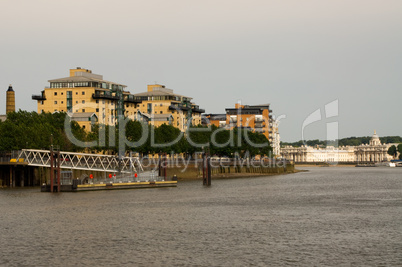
[(81, 161)]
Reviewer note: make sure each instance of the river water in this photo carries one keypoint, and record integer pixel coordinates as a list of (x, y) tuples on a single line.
[(324, 217)]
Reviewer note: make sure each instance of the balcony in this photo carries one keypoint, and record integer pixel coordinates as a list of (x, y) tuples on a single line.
[(39, 97), (198, 110), (104, 95), (132, 99), (179, 107)]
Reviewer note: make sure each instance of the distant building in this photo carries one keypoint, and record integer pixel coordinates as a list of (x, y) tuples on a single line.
[(88, 98), (219, 120), (89, 95), (10, 100), (162, 106), (374, 151), (311, 154), (275, 138), (257, 118), (365, 153)]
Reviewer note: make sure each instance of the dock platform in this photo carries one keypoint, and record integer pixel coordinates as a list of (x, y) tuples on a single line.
[(111, 186)]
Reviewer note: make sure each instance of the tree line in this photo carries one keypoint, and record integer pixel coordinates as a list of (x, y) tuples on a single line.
[(31, 130), (350, 141)]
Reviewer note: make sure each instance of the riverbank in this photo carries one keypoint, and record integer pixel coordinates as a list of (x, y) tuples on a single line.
[(324, 165), (249, 175), (189, 175)]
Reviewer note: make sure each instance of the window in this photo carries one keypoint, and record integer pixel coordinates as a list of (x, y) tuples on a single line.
[(55, 93), (160, 104), (62, 102), (83, 101), (83, 126), (97, 110), (83, 92), (62, 93), (76, 93), (97, 101), (55, 102), (76, 102), (161, 111), (83, 110)]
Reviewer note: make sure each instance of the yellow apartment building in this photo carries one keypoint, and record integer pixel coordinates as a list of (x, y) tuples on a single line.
[(87, 97), (218, 120), (162, 106), (256, 118)]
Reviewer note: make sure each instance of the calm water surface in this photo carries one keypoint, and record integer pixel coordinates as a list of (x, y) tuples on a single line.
[(324, 217)]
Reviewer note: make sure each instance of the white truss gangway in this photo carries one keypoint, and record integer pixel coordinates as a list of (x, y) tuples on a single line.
[(81, 161)]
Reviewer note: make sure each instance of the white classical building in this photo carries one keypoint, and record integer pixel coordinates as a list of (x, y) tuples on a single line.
[(365, 153), (275, 138)]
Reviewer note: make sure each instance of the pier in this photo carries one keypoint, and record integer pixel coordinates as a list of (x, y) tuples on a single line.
[(57, 171)]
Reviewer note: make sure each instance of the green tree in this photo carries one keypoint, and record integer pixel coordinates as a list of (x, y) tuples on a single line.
[(392, 151), (25, 129), (400, 151)]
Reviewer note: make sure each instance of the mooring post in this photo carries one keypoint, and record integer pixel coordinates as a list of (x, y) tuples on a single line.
[(165, 167), (204, 165), (209, 171), (159, 164), (58, 171), (51, 169)]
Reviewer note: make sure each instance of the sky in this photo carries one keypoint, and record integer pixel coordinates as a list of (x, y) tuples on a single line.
[(299, 56)]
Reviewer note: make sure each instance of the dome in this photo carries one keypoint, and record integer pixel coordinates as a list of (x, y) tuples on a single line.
[(375, 140), (375, 136), (10, 89)]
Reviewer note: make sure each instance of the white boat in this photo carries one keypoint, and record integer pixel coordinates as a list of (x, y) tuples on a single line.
[(385, 164)]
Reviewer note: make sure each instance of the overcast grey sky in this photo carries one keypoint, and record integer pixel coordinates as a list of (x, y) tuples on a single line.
[(296, 55)]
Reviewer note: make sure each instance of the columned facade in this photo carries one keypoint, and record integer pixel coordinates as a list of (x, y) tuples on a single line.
[(366, 153)]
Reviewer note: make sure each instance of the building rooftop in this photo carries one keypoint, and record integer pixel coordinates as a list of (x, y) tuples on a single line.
[(83, 75), (160, 93), (259, 106), (81, 79)]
